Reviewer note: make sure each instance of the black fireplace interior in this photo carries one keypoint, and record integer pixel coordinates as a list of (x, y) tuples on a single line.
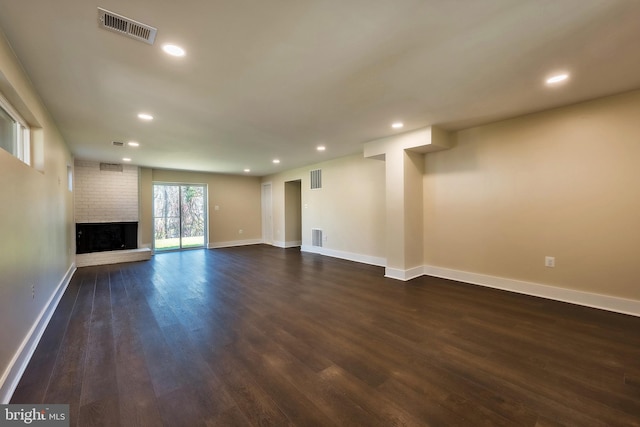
[(109, 236)]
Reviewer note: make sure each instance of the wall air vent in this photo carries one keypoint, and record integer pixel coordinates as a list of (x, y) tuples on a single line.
[(111, 167), (118, 144), (125, 26), (316, 237), (316, 179)]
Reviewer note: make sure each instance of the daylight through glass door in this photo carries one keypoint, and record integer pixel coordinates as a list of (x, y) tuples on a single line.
[(179, 216)]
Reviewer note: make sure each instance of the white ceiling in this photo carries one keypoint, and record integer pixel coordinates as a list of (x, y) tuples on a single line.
[(267, 79)]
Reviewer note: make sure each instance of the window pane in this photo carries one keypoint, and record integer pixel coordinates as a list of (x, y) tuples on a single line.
[(24, 145), (166, 201), (193, 216), (167, 233), (8, 132)]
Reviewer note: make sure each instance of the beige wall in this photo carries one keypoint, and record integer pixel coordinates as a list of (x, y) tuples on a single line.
[(237, 198), (350, 207), (563, 183), (36, 220)]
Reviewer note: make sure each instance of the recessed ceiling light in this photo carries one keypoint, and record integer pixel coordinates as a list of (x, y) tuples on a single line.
[(133, 144), (397, 125), (173, 50), (126, 159), (145, 116), (247, 170), (557, 78), (321, 148), (276, 161)]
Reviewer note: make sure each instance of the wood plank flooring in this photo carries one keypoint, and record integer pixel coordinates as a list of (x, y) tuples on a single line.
[(262, 336)]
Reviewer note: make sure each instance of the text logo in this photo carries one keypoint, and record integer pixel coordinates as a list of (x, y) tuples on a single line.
[(34, 415)]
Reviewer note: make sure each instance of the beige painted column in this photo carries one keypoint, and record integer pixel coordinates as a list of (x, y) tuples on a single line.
[(404, 164), (145, 217), (395, 223), (404, 213)]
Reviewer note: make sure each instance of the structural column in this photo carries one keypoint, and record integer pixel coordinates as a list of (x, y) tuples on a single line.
[(404, 167)]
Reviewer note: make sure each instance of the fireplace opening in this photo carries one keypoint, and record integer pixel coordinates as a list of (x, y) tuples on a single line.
[(109, 236)]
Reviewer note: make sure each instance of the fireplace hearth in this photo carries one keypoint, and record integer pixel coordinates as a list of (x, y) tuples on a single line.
[(109, 236)]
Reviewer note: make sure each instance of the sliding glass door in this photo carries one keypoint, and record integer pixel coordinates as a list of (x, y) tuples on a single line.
[(179, 216)]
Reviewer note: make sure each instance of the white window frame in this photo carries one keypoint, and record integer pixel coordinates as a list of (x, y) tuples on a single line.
[(22, 144)]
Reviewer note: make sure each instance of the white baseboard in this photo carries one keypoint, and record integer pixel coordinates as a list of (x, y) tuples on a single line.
[(291, 244), (18, 364), (350, 256), (404, 275), (588, 299), (229, 244)]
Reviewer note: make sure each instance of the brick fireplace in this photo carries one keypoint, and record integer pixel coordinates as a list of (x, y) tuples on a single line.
[(106, 213)]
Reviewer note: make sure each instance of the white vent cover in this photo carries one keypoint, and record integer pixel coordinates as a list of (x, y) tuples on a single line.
[(125, 26), (316, 237), (316, 179)]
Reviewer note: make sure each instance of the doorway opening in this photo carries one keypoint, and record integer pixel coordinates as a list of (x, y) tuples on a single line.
[(179, 216), (292, 213), (267, 214)]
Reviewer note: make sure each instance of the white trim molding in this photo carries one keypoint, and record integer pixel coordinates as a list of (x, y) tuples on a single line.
[(404, 275), (285, 245), (21, 358), (232, 243), (588, 299), (349, 256)]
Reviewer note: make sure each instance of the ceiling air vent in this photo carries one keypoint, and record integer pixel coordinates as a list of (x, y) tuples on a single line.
[(118, 143), (125, 26)]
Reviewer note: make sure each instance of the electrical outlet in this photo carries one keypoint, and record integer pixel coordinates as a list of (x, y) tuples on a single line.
[(240, 231), (33, 291), (550, 261)]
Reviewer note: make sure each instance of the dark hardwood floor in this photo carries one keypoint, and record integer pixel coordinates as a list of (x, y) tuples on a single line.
[(265, 336)]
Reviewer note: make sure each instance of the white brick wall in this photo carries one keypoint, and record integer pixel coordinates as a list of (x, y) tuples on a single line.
[(105, 196), (113, 257)]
